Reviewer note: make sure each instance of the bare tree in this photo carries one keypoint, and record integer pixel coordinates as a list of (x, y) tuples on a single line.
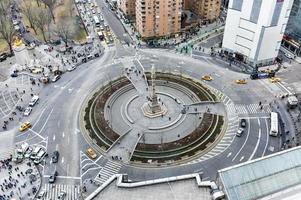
[(51, 5), (65, 29), (42, 20), (27, 10), (7, 30), (70, 7)]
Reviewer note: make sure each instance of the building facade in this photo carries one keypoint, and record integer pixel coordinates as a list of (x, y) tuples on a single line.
[(292, 39), (128, 8), (158, 18), (208, 10), (254, 29)]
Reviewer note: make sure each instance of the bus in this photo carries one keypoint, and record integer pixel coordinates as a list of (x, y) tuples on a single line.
[(96, 21), (274, 124)]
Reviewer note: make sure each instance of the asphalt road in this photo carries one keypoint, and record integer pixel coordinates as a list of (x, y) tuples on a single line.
[(56, 118), (116, 26)]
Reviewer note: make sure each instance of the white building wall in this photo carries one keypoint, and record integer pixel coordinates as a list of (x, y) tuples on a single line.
[(258, 41)]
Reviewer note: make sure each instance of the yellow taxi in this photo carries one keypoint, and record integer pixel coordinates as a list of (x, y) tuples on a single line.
[(207, 78), (241, 81), (275, 80), (268, 70), (25, 126), (91, 153)]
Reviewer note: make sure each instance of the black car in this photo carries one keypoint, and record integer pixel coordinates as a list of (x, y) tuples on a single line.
[(3, 57), (52, 177), (243, 122), (55, 156)]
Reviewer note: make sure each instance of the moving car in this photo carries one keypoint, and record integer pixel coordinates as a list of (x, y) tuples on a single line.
[(25, 126), (91, 153), (52, 178), (241, 81), (207, 78), (42, 195), (33, 100), (27, 111), (62, 195), (55, 156), (239, 132), (55, 78), (243, 122), (275, 80)]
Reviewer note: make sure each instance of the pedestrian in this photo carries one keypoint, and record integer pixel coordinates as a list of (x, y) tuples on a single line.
[(6, 85)]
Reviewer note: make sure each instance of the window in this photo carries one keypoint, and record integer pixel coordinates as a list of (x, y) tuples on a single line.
[(255, 10), (277, 12), (237, 4)]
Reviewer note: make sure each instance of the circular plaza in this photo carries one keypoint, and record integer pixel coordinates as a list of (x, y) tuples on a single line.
[(153, 118)]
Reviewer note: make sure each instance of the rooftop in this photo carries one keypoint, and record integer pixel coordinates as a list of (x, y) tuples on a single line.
[(264, 176), (186, 189)]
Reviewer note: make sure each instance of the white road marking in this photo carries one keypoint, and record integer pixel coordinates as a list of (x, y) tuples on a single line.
[(53, 137), (241, 159), (62, 160), (257, 143), (63, 134), (267, 142), (229, 154), (244, 142), (66, 177), (57, 147), (46, 121)]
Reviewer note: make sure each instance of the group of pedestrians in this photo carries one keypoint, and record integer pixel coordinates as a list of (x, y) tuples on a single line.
[(16, 181)]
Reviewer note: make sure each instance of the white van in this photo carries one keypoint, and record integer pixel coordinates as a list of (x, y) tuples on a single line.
[(33, 100)]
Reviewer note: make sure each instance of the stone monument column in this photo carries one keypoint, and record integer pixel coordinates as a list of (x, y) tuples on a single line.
[(21, 53)]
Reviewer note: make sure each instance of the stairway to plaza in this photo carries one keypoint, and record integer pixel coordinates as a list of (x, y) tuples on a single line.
[(111, 168)]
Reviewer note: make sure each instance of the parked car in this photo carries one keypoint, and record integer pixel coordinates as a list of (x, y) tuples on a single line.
[(55, 156), (52, 178)]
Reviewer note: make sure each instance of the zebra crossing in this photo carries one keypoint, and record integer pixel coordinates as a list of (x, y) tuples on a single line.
[(111, 168), (233, 123), (53, 191), (249, 109)]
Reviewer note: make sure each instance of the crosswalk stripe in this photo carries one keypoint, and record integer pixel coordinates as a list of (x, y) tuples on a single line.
[(72, 191)]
